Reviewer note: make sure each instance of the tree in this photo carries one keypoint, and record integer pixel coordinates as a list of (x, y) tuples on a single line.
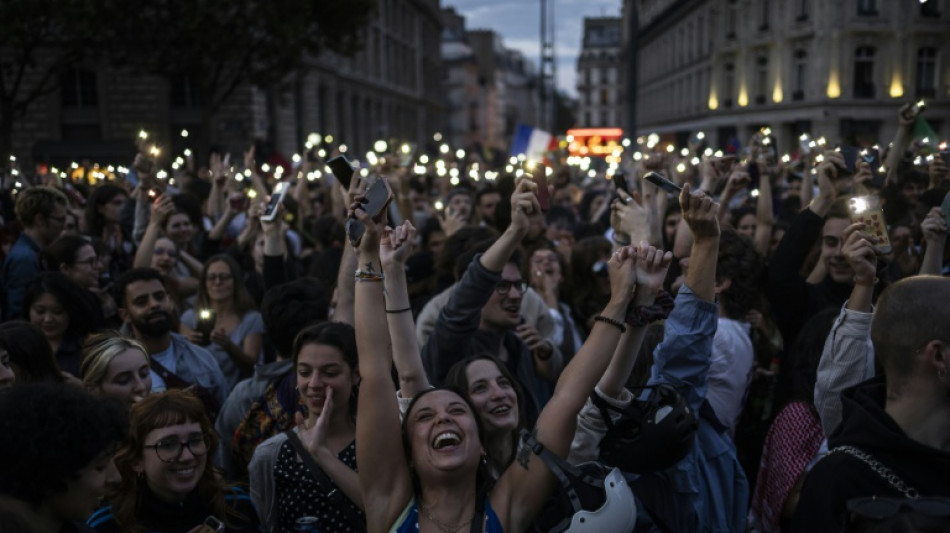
[(218, 45), (39, 39)]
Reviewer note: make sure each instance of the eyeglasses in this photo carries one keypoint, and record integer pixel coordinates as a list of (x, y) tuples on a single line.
[(222, 277), (885, 508), (91, 262), (505, 285), (169, 450)]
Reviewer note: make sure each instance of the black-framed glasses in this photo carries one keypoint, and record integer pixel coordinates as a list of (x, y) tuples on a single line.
[(505, 285), (169, 450), (884, 508)]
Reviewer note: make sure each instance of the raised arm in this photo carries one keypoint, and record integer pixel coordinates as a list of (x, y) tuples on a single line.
[(905, 126), (524, 486), (384, 476), (848, 356), (395, 247), (934, 227), (764, 217), (160, 210)]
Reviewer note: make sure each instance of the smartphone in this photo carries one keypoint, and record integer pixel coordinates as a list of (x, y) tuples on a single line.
[(375, 201), (752, 169), (868, 211), (342, 170), (543, 194), (663, 183), (277, 198), (205, 324), (919, 107), (406, 152), (620, 182), (212, 525), (872, 156), (850, 155)]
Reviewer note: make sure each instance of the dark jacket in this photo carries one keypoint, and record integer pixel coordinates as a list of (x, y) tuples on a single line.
[(456, 337), (840, 477), (156, 515)]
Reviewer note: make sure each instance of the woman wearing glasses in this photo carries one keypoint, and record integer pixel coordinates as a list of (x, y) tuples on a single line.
[(76, 257), (168, 484), (226, 309)]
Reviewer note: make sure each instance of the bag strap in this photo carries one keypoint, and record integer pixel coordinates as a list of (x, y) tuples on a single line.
[(880, 469), (308, 461), (172, 380)]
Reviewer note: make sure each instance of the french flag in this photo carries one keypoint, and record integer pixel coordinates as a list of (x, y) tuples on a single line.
[(531, 142)]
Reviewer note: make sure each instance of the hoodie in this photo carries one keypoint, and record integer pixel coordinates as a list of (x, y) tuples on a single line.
[(840, 477)]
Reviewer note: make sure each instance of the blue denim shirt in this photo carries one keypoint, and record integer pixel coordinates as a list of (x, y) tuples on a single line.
[(19, 267), (711, 490)]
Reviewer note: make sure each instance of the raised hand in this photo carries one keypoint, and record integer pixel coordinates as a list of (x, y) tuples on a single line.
[(524, 203), (651, 266), (395, 246), (738, 180), (858, 249), (452, 221), (621, 269), (934, 225), (369, 243), (700, 212), (629, 217), (313, 433), (162, 208)]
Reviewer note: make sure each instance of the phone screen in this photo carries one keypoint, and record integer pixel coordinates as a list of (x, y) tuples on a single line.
[(850, 155), (375, 201), (663, 183), (543, 193), (275, 200), (620, 182)]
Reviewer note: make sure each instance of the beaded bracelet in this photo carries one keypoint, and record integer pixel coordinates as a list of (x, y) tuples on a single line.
[(615, 323)]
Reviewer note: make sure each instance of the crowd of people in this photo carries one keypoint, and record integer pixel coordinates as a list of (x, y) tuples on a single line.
[(761, 345)]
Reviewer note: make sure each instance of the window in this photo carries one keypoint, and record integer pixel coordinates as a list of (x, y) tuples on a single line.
[(926, 72), (761, 78), (929, 9), (803, 10), (764, 23), (79, 88), (864, 72), (604, 97), (731, 23), (729, 84), (185, 92), (799, 66), (867, 7)]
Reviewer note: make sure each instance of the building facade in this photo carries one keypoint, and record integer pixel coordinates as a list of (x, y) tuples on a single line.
[(392, 88), (599, 74), (833, 69), (488, 89)]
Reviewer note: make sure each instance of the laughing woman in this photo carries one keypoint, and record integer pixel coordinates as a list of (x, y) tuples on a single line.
[(168, 483)]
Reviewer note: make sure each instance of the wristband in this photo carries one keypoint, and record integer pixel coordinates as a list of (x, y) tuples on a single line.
[(397, 311), (615, 323), (363, 275)]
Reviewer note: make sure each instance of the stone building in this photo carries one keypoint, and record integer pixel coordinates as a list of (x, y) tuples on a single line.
[(391, 88), (834, 69), (599, 78)]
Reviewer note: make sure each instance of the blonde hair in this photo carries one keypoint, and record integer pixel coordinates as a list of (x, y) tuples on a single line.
[(98, 352)]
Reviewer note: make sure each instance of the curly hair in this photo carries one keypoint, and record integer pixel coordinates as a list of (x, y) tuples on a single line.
[(741, 265), (35, 201), (50, 432), (158, 411), (32, 357)]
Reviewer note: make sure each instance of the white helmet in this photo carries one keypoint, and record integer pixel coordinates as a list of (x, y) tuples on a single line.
[(617, 514)]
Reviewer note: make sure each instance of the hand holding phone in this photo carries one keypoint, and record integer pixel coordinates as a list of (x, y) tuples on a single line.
[(868, 211), (543, 194), (270, 212), (204, 324), (375, 201), (342, 170)]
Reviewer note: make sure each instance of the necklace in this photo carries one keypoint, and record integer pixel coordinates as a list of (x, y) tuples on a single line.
[(446, 528)]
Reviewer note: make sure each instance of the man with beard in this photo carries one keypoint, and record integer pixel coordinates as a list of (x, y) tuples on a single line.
[(893, 443), (147, 310)]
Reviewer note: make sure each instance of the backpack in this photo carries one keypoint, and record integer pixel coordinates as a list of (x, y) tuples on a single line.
[(270, 414)]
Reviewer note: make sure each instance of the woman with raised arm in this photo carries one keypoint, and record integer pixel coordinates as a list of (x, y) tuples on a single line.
[(441, 484)]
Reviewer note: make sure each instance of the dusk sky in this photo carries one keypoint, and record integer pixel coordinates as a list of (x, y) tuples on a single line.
[(518, 22)]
